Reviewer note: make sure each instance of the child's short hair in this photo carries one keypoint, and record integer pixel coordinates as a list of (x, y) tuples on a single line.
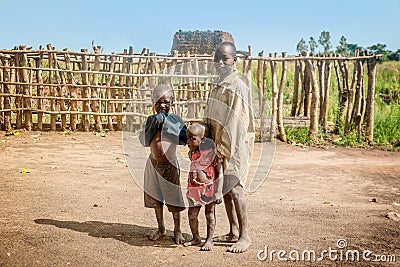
[(206, 128), (160, 90)]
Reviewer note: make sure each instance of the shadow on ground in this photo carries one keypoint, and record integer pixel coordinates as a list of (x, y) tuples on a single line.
[(131, 234)]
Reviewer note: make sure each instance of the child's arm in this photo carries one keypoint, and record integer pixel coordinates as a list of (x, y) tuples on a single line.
[(219, 182)]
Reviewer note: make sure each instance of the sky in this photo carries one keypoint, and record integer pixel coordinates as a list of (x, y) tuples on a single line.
[(272, 26)]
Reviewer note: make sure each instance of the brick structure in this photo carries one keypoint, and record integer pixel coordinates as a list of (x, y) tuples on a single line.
[(199, 42)]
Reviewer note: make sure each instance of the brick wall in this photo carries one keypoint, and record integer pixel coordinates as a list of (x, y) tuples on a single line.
[(199, 42)]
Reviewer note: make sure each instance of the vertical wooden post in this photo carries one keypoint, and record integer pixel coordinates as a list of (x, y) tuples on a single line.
[(152, 70), (321, 79), (72, 91), (18, 91), (53, 117), (302, 89), (357, 93), (171, 71), (327, 85), (6, 90), (187, 70), (95, 103), (259, 82), (307, 89), (274, 98), (85, 91), (26, 89), (281, 129), (295, 97), (60, 79), (197, 88), (314, 99), (121, 90), (40, 87), (369, 113), (350, 96), (263, 114), (359, 96), (129, 93), (109, 95)]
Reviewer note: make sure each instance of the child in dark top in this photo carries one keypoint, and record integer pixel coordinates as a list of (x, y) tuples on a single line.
[(162, 132), (203, 187)]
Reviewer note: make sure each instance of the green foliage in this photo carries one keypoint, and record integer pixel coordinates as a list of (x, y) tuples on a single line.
[(342, 49), (298, 135), (387, 125), (301, 46), (313, 45), (325, 40)]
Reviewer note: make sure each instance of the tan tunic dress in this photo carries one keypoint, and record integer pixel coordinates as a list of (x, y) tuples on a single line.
[(229, 113)]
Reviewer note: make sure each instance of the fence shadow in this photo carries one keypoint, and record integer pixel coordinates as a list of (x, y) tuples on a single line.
[(131, 234)]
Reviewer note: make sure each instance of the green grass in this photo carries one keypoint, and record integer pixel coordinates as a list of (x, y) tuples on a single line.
[(387, 108)]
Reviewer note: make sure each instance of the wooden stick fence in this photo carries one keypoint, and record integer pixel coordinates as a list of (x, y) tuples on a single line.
[(51, 89), (312, 76)]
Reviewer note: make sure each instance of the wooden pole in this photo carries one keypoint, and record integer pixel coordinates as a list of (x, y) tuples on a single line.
[(6, 90), (350, 96), (302, 89), (295, 97), (85, 90), (121, 91), (95, 104), (263, 113), (327, 85), (53, 116), (109, 94), (281, 129), (40, 87), (18, 90), (26, 90), (72, 92), (274, 99), (307, 88), (369, 113), (321, 80), (313, 131), (60, 79), (358, 98)]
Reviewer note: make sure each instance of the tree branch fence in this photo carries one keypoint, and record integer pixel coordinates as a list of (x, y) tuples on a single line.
[(49, 89)]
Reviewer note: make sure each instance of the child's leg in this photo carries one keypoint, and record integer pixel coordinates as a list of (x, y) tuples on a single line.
[(160, 221), (210, 216), (177, 228), (194, 226)]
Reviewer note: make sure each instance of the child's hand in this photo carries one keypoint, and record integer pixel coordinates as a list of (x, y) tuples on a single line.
[(218, 200)]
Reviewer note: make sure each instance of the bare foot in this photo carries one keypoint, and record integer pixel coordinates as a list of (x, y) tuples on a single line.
[(226, 238), (157, 235), (240, 246), (193, 242), (207, 246), (178, 237)]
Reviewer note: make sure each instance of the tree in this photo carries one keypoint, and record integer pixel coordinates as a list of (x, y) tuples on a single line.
[(325, 41), (342, 48), (378, 48), (394, 56), (352, 48), (313, 45), (302, 46)]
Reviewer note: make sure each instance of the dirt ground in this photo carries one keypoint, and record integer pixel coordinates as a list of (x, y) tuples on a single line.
[(78, 205)]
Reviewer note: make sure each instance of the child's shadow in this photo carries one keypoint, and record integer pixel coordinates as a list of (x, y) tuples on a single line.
[(131, 234)]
